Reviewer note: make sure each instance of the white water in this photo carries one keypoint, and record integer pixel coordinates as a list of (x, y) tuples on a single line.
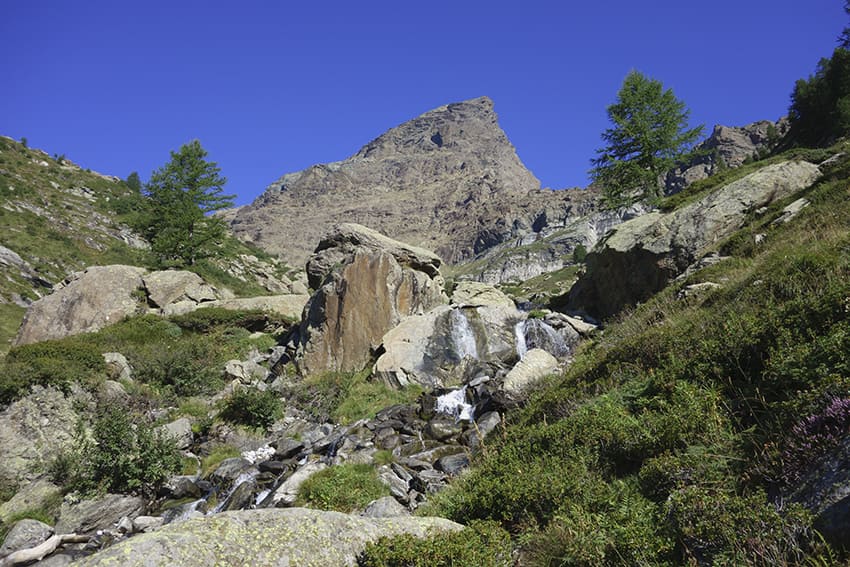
[(189, 510), (454, 404), (519, 333), (463, 338), (261, 496), (244, 477)]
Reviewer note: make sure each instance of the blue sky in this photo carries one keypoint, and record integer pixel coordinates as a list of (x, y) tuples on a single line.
[(273, 87)]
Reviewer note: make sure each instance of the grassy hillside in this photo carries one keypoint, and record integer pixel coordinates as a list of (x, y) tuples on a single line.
[(58, 218), (681, 435)]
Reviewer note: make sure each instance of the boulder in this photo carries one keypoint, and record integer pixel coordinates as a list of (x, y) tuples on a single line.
[(478, 294), (366, 283), (117, 366), (287, 493), (386, 507), (268, 537), (33, 430), (24, 535), (642, 255), (534, 365), (180, 430), (88, 516), (85, 302), (177, 291)]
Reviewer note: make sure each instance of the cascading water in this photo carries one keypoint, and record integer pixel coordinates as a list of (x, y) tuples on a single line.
[(463, 338), (519, 333), (454, 404), (536, 333), (248, 476)]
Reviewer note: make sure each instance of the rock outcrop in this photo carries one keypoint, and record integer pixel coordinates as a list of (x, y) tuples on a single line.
[(271, 537), (727, 146), (365, 285), (642, 255)]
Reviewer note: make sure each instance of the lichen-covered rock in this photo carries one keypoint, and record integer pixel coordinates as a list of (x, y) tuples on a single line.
[(367, 283), (87, 302), (269, 537), (478, 294), (33, 430), (642, 255)]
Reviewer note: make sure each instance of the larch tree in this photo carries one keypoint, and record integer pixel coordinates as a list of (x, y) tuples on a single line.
[(182, 195), (649, 134)]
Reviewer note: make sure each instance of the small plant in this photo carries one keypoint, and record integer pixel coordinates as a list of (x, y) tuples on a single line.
[(814, 437), (252, 407), (344, 488), (579, 253)]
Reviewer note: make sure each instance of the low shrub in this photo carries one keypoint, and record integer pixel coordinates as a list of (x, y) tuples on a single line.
[(252, 407), (120, 454), (344, 488), (217, 455), (483, 544)]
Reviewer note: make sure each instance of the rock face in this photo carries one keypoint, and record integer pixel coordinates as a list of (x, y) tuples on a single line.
[(641, 256), (366, 283), (270, 537), (726, 147), (88, 301), (448, 180)]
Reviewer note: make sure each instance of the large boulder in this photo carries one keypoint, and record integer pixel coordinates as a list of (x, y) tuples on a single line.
[(37, 495), (87, 301), (365, 285), (88, 516), (268, 537), (642, 255), (33, 430), (441, 347)]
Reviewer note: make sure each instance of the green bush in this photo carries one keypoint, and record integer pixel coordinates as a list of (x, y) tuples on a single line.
[(121, 454), (209, 318), (252, 407), (344, 488), (482, 544), (185, 367)]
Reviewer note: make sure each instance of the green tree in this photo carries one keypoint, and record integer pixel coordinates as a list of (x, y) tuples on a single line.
[(844, 38), (134, 182), (820, 105), (182, 194), (649, 135)]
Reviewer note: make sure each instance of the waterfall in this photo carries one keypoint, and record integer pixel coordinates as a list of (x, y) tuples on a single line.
[(187, 511), (536, 333), (463, 338), (519, 332), (454, 404), (242, 478)]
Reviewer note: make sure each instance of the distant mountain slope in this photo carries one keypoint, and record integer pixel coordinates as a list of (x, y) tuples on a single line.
[(448, 180)]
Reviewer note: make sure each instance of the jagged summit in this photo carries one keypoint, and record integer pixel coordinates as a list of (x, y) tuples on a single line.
[(436, 181)]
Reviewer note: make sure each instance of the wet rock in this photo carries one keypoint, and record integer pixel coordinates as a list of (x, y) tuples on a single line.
[(180, 487), (287, 448), (443, 428)]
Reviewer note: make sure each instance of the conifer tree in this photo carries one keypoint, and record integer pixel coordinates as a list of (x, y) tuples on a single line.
[(649, 135), (181, 195)]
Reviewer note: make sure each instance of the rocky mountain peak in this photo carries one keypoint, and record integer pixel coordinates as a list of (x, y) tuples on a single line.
[(428, 182)]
